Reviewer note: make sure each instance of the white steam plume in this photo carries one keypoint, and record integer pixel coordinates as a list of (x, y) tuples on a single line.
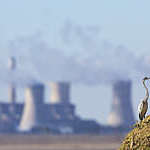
[(24, 73), (93, 60), (112, 62)]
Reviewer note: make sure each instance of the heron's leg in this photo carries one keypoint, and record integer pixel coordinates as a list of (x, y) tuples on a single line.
[(137, 123)]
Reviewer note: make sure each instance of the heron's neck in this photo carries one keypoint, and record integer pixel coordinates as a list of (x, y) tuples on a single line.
[(147, 93)]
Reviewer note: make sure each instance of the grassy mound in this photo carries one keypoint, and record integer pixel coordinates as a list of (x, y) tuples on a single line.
[(139, 137)]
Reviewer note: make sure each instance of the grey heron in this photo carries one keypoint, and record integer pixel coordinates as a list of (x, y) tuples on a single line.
[(143, 106)]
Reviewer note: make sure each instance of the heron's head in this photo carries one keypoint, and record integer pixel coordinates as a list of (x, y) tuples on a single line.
[(146, 78)]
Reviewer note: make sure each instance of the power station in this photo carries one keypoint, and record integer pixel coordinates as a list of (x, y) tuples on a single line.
[(59, 115)]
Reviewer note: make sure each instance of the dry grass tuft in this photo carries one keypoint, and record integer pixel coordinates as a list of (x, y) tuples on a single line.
[(139, 137)]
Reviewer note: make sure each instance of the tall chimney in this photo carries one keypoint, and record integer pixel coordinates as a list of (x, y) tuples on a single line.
[(11, 87), (60, 92), (33, 109), (121, 113)]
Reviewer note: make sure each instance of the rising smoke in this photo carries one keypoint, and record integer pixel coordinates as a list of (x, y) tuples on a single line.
[(91, 59), (18, 77), (108, 62), (23, 74)]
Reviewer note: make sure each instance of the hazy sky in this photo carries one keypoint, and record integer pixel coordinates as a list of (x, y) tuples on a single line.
[(121, 22)]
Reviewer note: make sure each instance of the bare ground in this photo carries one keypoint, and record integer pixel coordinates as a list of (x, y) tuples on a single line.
[(68, 142)]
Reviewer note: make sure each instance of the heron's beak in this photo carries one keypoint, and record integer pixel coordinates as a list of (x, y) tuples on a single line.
[(146, 78)]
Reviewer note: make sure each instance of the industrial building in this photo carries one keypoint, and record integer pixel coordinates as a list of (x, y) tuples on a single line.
[(59, 115), (35, 116)]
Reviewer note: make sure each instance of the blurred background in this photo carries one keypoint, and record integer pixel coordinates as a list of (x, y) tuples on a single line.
[(96, 50)]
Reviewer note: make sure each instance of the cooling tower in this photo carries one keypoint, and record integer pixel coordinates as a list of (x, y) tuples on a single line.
[(121, 113), (33, 109), (60, 92), (11, 87)]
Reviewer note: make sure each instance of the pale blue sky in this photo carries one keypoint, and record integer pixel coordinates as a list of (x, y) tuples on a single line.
[(122, 22)]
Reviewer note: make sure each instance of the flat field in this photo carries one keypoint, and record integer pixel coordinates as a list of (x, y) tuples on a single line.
[(62, 142)]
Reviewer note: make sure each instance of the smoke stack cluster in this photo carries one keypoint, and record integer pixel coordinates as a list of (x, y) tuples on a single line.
[(32, 114), (60, 92), (122, 113), (11, 87)]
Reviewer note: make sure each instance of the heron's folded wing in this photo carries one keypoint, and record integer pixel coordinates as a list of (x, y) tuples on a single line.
[(140, 107)]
